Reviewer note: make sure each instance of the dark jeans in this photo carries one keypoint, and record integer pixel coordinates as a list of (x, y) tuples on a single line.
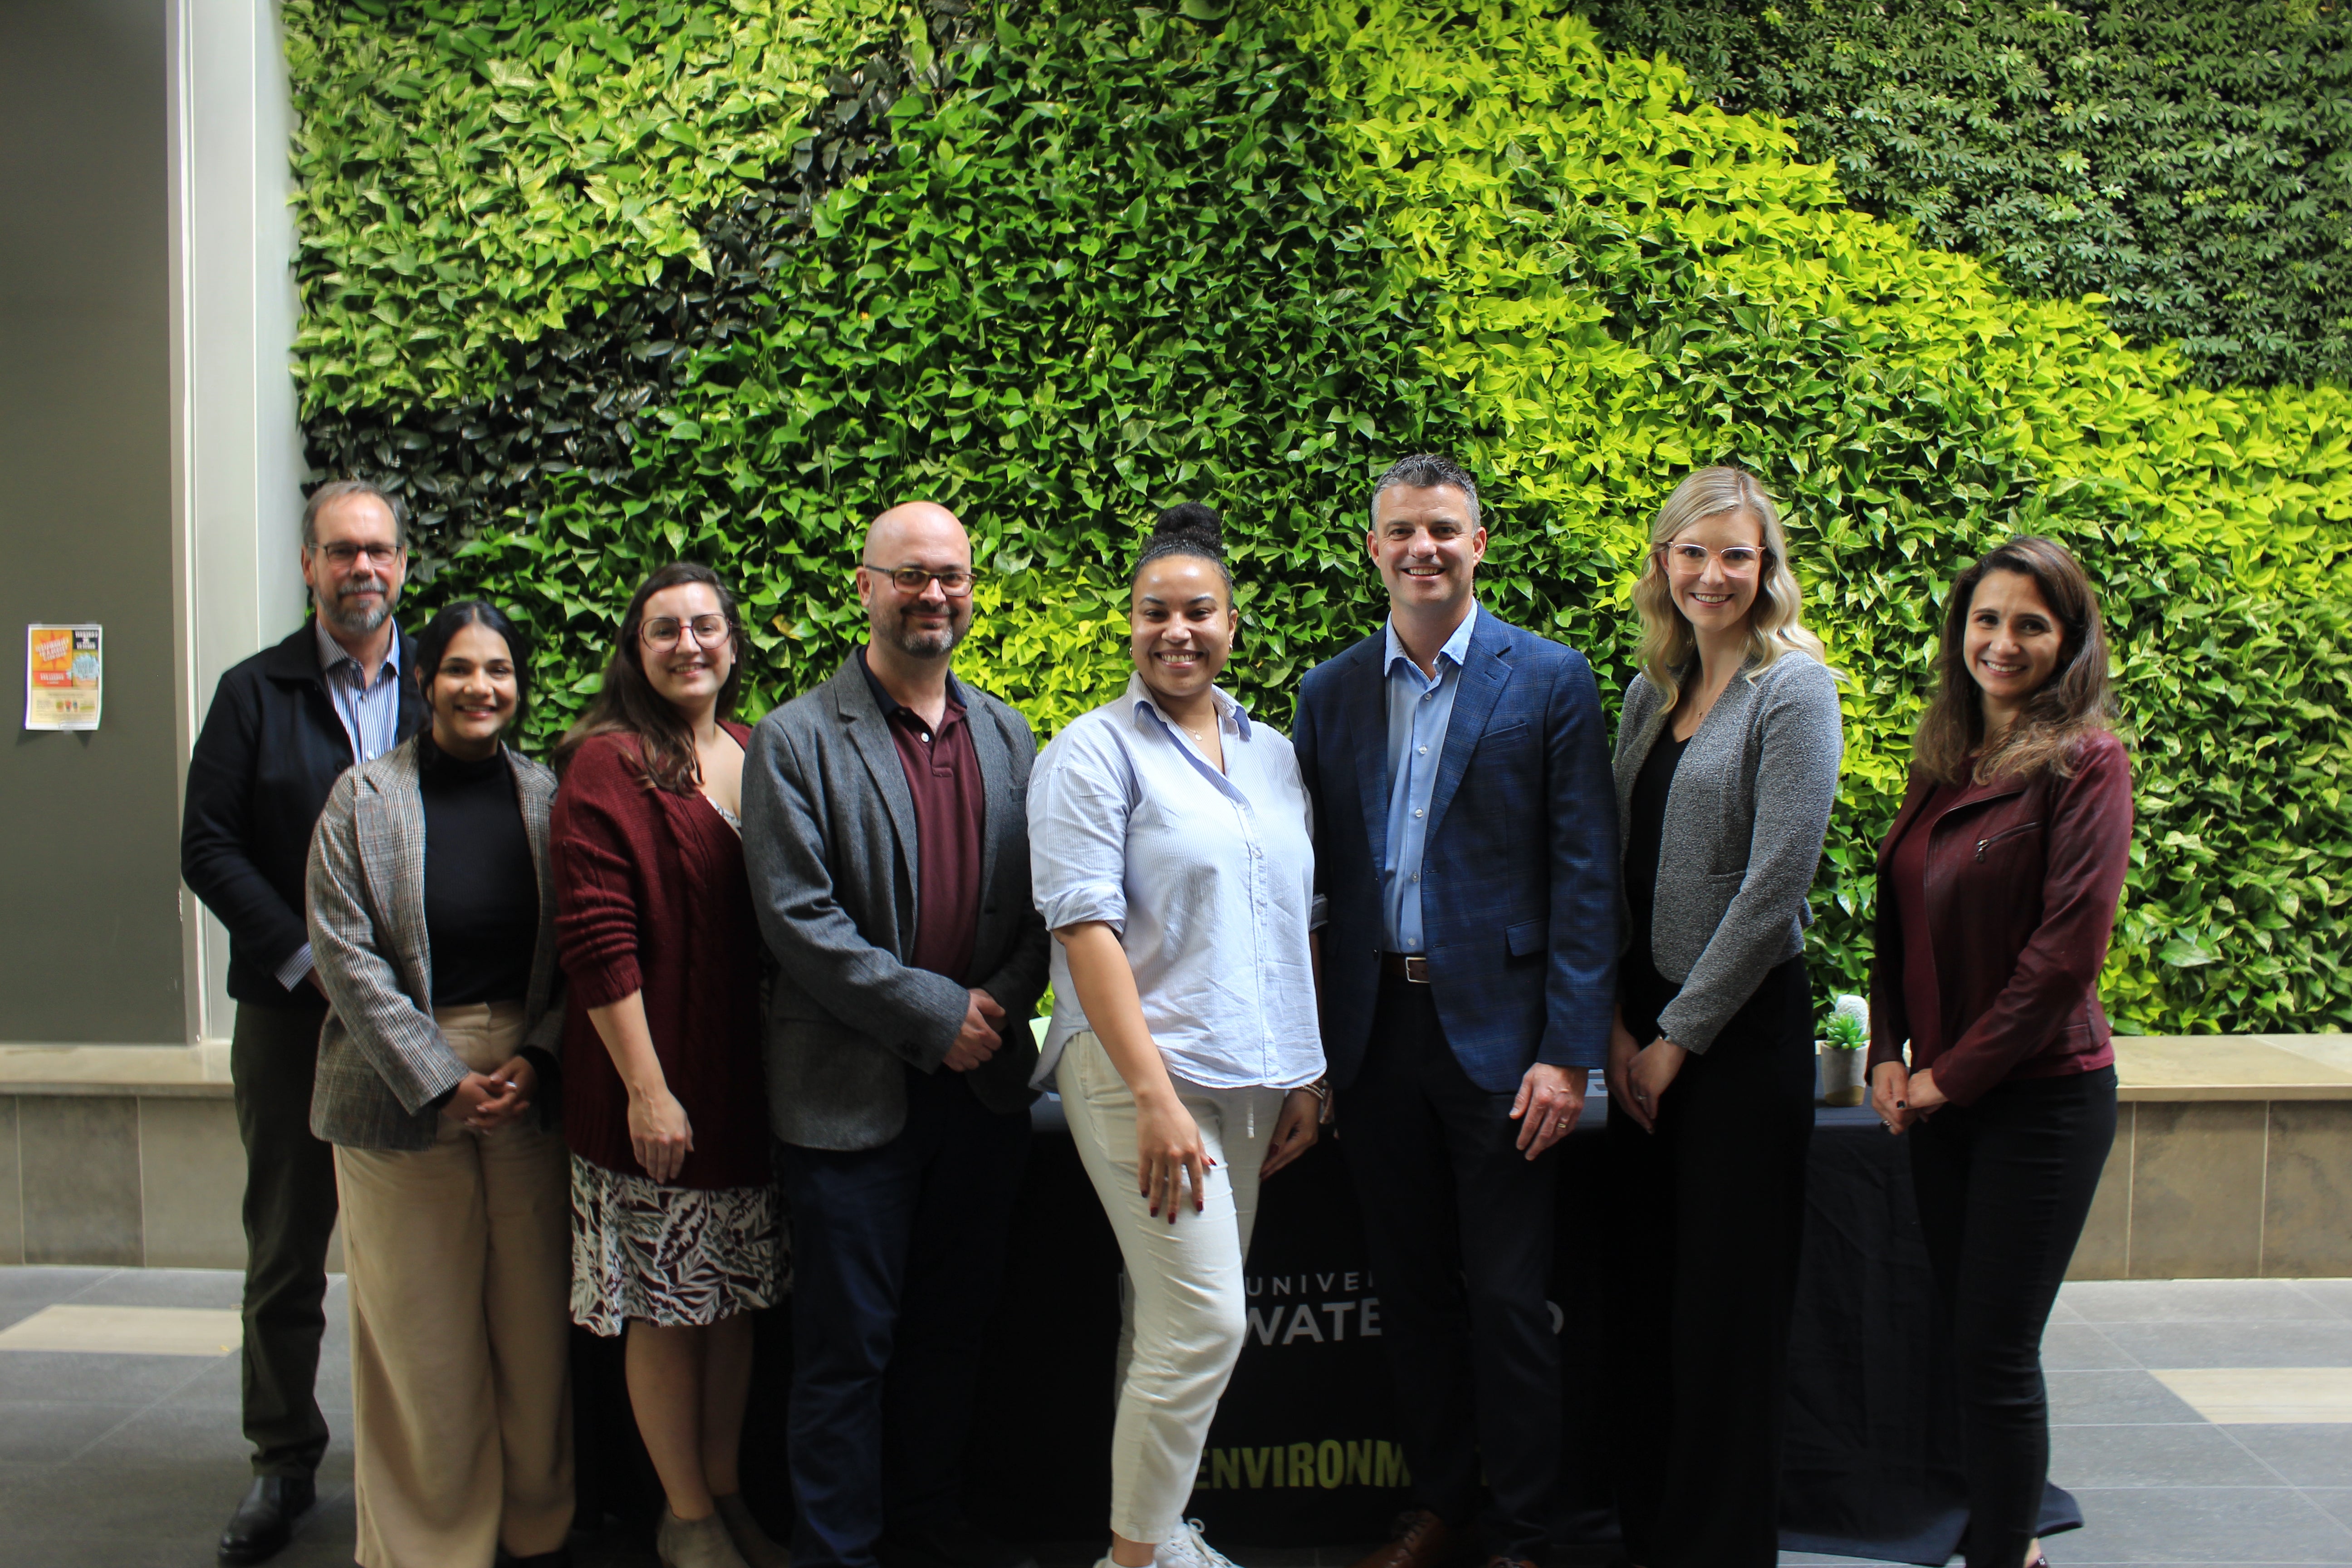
[(289, 1214), (897, 1254), (2004, 1186), (1458, 1223), (1704, 1218)]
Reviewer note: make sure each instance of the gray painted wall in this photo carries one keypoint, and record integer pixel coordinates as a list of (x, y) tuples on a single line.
[(90, 908)]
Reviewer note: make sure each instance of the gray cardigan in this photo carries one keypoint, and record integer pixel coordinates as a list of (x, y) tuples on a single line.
[(1745, 818), (829, 838), (381, 1059)]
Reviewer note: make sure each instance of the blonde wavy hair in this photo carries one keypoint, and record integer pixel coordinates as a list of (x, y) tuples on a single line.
[(1775, 623)]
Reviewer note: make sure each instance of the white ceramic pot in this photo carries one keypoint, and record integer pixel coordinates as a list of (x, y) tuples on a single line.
[(1839, 1071)]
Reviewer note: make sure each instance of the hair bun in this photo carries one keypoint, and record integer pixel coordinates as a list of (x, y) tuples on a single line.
[(1193, 523)]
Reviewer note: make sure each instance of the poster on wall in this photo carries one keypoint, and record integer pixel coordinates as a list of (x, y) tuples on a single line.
[(63, 669)]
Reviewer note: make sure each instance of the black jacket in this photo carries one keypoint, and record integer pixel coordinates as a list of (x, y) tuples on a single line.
[(271, 749)]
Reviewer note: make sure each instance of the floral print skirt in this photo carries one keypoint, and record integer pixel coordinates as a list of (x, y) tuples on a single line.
[(680, 1256)]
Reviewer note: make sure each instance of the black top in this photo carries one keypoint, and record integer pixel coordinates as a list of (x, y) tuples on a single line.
[(271, 749), (481, 890), (1645, 991)]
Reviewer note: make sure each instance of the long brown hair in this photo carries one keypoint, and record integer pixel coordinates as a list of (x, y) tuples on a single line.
[(2074, 702), (628, 704)]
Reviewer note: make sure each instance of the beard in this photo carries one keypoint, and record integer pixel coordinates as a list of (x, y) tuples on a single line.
[(357, 620), (926, 643)]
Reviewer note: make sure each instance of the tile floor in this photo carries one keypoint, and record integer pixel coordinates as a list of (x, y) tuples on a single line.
[(2170, 1423)]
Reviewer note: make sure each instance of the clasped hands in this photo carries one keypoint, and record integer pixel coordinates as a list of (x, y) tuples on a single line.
[(486, 1101), (981, 1036), (1902, 1097), (1638, 1076)]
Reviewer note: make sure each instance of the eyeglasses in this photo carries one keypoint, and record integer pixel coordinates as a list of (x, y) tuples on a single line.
[(1738, 560), (955, 582), (662, 631), (341, 554)]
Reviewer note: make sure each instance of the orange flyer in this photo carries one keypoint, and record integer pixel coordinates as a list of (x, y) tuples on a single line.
[(63, 670)]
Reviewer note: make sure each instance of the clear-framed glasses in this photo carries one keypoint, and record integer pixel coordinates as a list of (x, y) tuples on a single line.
[(341, 554), (955, 582), (662, 631), (1738, 560)]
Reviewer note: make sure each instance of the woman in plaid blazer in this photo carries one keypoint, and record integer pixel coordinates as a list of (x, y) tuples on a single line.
[(432, 917)]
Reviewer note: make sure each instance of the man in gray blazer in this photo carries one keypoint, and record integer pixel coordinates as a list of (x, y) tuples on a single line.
[(885, 822)]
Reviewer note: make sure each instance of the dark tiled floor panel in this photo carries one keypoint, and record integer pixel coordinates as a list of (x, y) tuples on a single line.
[(131, 1459)]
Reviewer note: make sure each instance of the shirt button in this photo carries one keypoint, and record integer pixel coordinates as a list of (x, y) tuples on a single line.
[(1418, 812), (1416, 876), (1423, 752)]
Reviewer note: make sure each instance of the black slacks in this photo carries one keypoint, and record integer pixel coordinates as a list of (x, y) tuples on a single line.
[(289, 1215), (1704, 1219), (2003, 1188), (1458, 1225)]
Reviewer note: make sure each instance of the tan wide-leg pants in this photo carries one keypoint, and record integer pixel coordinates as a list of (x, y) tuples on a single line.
[(459, 1260)]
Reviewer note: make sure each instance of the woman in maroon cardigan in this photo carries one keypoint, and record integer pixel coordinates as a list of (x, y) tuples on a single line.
[(675, 1229), (1997, 890)]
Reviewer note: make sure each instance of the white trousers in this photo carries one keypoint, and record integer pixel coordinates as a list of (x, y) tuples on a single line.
[(1184, 1279)]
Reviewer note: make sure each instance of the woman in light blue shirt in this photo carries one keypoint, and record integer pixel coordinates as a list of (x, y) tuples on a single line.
[(1173, 854)]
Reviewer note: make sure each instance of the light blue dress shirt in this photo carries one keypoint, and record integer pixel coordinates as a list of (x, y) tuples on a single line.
[(1420, 708), (370, 710), (1207, 878), (369, 705)]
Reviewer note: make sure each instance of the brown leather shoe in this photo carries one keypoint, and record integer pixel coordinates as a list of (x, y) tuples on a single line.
[(1418, 1539)]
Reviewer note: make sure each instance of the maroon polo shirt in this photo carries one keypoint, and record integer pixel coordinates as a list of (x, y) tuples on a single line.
[(950, 822)]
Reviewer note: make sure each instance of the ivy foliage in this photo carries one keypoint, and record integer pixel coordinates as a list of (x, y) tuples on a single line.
[(474, 172), (1628, 284), (2192, 162), (1099, 273), (571, 401), (1102, 258)]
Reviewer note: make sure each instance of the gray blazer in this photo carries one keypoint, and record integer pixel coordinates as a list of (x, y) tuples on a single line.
[(1745, 818), (829, 837), (381, 1061)]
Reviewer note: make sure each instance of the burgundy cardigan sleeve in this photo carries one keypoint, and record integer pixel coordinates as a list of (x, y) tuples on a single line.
[(602, 827), (2083, 879)]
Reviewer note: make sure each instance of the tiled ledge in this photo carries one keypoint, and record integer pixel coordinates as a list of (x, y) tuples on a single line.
[(168, 1072), (2233, 1158), (2233, 1066)]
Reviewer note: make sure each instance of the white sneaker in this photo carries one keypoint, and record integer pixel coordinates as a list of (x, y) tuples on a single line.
[(1188, 1548)]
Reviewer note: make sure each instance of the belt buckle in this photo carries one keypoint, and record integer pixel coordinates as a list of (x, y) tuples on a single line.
[(1414, 966)]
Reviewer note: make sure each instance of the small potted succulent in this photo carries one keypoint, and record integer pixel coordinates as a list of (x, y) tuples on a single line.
[(1842, 1050)]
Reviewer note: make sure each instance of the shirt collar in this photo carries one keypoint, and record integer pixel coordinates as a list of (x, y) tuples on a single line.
[(1456, 648), (333, 654), (891, 706), (1138, 697)]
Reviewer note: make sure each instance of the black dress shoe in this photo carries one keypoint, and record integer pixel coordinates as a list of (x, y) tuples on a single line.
[(264, 1522), (954, 1543)]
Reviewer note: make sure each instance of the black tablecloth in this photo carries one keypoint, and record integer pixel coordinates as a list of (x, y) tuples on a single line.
[(1304, 1452)]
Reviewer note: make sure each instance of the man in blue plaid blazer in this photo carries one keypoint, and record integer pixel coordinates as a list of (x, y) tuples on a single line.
[(1466, 839)]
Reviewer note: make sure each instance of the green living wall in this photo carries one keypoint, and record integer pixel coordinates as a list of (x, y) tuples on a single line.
[(721, 280)]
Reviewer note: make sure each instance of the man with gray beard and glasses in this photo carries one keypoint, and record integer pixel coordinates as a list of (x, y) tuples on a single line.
[(283, 725)]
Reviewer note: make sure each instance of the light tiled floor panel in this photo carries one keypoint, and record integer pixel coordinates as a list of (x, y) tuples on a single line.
[(125, 1456)]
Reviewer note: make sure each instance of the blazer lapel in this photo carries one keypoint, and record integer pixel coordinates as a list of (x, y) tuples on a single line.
[(1367, 690), (1482, 680), (996, 787), (391, 816), (869, 732)]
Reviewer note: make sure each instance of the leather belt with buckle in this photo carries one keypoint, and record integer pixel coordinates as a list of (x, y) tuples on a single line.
[(1411, 967)]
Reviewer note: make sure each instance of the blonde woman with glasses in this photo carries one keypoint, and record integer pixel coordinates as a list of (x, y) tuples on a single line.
[(1726, 767)]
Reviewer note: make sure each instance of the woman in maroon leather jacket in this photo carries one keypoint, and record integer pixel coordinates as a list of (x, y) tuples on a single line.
[(1997, 890)]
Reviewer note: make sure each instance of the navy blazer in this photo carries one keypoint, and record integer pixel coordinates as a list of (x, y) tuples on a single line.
[(271, 748), (1519, 875)]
